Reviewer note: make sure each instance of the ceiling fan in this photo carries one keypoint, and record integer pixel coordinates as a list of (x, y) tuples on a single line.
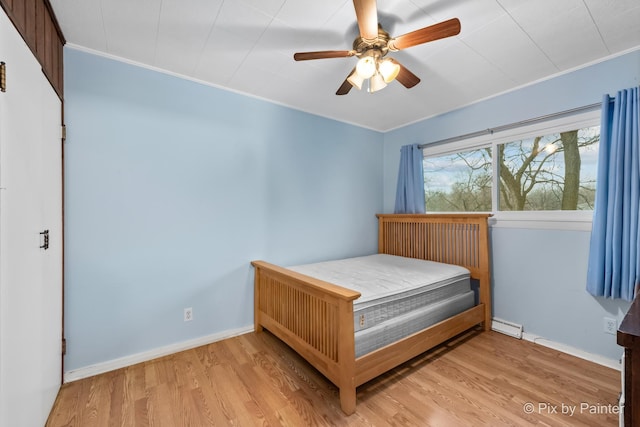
[(372, 46)]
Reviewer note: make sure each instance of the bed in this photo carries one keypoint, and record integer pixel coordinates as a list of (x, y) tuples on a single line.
[(316, 317)]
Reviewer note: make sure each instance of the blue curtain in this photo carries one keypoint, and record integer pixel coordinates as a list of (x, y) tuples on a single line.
[(614, 259), (410, 191)]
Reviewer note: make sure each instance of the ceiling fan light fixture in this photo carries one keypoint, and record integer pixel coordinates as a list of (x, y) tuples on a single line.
[(374, 43), (356, 80), (376, 83), (366, 67), (389, 70)]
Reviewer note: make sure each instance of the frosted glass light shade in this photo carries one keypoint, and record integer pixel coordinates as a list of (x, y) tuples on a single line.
[(366, 67), (356, 80), (376, 83), (389, 70)]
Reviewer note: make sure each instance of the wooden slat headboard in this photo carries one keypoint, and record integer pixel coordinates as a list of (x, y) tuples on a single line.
[(460, 239)]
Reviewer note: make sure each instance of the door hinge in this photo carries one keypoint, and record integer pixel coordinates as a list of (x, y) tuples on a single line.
[(64, 346), (3, 77), (63, 133)]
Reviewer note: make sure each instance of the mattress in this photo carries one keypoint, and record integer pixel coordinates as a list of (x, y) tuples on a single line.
[(402, 326), (399, 295)]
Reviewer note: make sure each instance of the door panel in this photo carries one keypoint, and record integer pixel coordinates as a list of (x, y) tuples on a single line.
[(30, 277), (51, 259)]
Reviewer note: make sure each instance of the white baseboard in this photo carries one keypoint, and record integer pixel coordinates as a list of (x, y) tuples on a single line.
[(145, 356), (595, 358)]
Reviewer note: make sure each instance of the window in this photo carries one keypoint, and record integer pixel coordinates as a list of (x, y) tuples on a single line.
[(549, 172), (459, 182), (539, 172)]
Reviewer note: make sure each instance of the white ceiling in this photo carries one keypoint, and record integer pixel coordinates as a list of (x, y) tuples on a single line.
[(248, 45)]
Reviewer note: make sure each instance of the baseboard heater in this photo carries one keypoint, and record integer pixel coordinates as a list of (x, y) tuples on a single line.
[(507, 328)]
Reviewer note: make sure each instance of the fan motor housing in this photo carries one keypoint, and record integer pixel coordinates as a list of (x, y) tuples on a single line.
[(379, 44)]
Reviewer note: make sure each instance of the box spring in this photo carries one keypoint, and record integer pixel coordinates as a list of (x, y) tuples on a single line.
[(399, 296)]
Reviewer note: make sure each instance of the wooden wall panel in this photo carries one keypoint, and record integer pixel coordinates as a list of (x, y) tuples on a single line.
[(39, 28), (18, 17), (41, 13), (30, 24)]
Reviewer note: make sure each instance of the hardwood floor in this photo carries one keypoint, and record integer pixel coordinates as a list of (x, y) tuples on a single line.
[(477, 379)]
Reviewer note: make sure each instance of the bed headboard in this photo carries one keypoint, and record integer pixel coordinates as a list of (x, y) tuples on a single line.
[(461, 239)]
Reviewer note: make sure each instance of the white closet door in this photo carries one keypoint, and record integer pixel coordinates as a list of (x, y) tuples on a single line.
[(50, 289), (30, 277)]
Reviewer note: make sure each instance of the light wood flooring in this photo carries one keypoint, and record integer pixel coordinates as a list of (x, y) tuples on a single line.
[(477, 379)]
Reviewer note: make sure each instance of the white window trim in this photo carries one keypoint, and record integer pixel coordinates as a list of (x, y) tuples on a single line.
[(550, 220)]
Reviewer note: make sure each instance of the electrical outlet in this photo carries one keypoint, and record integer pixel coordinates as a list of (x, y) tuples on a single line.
[(610, 326), (188, 314)]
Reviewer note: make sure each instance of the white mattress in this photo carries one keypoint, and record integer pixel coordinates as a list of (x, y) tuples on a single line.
[(381, 277), (391, 286)]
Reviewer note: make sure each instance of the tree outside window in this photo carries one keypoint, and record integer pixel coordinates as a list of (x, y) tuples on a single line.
[(543, 173), (459, 182)]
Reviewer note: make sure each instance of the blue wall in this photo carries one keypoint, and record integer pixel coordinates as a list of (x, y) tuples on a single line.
[(172, 188), (539, 276)]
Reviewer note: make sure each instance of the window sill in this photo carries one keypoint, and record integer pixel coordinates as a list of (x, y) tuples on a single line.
[(551, 220)]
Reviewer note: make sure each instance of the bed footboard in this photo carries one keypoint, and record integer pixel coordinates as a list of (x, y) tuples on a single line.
[(313, 317)]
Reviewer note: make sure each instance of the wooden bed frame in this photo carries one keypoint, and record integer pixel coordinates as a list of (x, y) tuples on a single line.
[(315, 317)]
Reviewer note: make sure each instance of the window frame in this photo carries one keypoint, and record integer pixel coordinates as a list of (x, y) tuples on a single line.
[(556, 219)]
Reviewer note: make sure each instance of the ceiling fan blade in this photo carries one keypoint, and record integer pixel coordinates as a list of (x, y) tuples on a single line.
[(367, 16), (406, 77), (346, 86), (344, 89), (322, 54), (434, 32)]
